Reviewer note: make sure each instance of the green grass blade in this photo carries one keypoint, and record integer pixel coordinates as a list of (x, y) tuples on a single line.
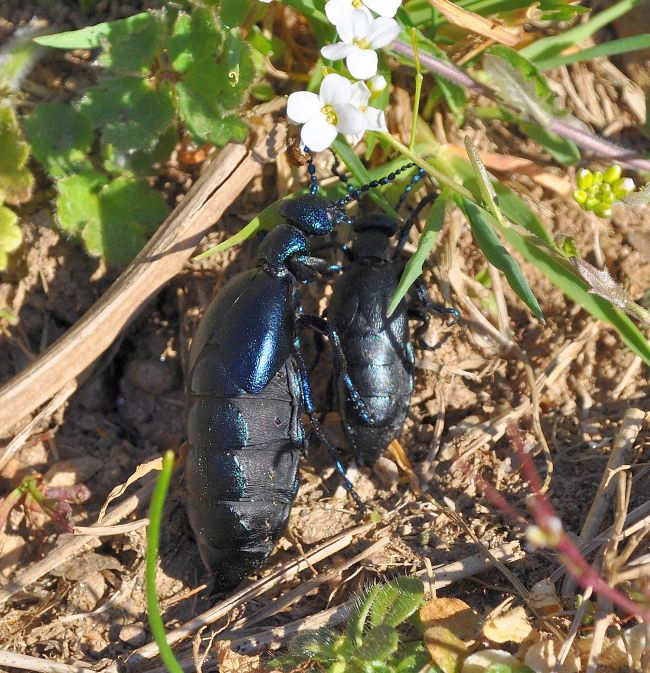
[(497, 254), (552, 46), (611, 48), (153, 537), (413, 269)]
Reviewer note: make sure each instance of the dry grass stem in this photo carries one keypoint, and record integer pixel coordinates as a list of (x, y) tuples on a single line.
[(27, 663)]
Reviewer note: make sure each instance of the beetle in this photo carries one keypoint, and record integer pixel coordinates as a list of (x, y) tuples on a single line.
[(377, 348), (247, 387)]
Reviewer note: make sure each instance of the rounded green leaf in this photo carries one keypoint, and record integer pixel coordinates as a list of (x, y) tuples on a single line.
[(77, 206), (16, 181), (195, 39), (10, 234), (378, 644), (132, 44), (396, 601), (61, 138), (313, 645), (131, 113)]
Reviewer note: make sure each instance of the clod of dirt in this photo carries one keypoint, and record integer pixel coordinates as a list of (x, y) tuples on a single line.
[(80, 568), (85, 595), (151, 376), (386, 471), (133, 634)]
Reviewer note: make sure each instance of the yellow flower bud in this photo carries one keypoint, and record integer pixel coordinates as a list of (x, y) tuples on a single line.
[(603, 210), (612, 174), (584, 178), (580, 196), (598, 177)]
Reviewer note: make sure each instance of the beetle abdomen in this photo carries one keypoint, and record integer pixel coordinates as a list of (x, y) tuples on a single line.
[(242, 473)]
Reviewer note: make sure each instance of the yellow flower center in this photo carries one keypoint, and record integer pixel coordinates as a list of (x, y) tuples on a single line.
[(362, 43), (330, 114), (357, 4)]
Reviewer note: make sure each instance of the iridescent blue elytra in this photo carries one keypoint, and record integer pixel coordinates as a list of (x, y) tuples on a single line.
[(247, 388)]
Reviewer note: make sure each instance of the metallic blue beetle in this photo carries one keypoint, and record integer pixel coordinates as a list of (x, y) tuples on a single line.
[(247, 388)]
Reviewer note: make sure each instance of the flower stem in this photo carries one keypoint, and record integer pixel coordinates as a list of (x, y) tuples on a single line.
[(584, 139), (438, 176), (418, 87)]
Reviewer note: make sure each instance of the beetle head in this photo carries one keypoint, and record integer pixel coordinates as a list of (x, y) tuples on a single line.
[(312, 214)]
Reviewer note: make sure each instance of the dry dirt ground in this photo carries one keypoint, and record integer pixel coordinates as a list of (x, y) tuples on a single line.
[(91, 608)]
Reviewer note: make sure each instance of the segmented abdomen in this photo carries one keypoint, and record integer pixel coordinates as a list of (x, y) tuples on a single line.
[(242, 473)]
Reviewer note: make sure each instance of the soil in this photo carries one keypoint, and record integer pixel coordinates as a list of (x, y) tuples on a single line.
[(92, 609)]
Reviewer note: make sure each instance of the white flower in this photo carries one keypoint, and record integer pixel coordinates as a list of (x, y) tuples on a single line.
[(337, 9), (360, 37), (327, 113), (375, 118), (376, 84)]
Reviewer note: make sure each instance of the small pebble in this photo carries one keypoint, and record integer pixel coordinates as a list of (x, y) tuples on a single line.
[(133, 634), (386, 471)]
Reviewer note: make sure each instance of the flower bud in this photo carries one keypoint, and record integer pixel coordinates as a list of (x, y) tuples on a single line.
[(623, 187), (603, 210), (598, 177), (612, 174), (584, 178), (591, 203), (580, 196)]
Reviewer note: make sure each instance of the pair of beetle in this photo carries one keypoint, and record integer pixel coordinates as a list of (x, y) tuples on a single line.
[(248, 383)]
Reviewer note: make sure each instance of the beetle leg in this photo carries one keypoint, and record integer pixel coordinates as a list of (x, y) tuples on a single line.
[(321, 326), (408, 225), (318, 430)]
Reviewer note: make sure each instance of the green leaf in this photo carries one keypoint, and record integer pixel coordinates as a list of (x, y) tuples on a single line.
[(136, 38), (611, 48), (315, 645), (378, 644), (17, 57), (112, 218), (77, 205), (413, 269), (200, 116), (11, 235), (16, 182), (233, 12), (357, 620), (410, 658), (132, 44), (142, 162), (195, 39), (497, 255), (61, 137), (396, 601), (131, 113), (551, 46)]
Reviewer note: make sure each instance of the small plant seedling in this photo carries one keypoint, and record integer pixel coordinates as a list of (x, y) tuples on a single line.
[(371, 642), (55, 501)]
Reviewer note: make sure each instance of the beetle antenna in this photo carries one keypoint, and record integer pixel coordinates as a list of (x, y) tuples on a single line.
[(311, 169)]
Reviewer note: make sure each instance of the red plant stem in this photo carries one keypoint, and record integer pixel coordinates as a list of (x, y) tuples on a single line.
[(547, 519), (584, 139)]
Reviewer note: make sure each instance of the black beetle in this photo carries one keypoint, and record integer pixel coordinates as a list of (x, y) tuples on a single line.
[(377, 348), (247, 388)]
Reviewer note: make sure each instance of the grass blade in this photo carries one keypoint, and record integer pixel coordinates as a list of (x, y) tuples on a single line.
[(413, 269), (153, 536), (552, 46), (611, 48), (497, 254)]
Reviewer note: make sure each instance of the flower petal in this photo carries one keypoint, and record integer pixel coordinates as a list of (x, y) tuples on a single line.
[(318, 134), (383, 7), (350, 120), (359, 95), (337, 51), (382, 32), (375, 119), (335, 89), (334, 8), (362, 63), (357, 23), (303, 106), (377, 83)]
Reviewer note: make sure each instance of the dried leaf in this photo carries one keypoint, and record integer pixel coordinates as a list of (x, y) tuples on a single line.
[(397, 452), (541, 657), (601, 283), (474, 22), (512, 627), (544, 597), (633, 640), (480, 662), (140, 471), (515, 90), (231, 662), (452, 614), (446, 649)]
